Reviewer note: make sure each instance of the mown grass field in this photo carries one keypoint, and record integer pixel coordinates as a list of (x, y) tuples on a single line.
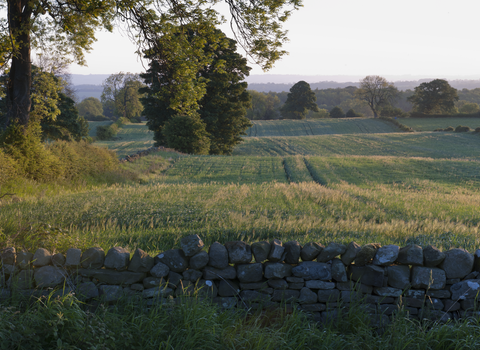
[(312, 127), (130, 139), (430, 124), (372, 186)]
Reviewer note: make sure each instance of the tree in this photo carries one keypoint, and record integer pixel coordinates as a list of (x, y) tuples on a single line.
[(90, 107), (187, 134), (434, 97), (352, 114), (469, 108), (376, 92), (67, 29), (264, 106), (224, 105), (216, 92), (121, 92), (300, 100), (337, 112)]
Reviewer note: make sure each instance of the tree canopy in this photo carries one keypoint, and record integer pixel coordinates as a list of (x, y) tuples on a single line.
[(376, 91), (90, 107), (67, 28), (300, 100), (121, 92), (434, 97), (217, 94)]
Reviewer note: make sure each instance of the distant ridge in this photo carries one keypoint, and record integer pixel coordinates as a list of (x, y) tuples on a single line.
[(91, 85)]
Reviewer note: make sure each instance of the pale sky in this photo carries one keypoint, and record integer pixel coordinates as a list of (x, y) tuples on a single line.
[(422, 38)]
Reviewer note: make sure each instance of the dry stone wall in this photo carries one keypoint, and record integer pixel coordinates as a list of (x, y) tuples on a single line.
[(321, 280)]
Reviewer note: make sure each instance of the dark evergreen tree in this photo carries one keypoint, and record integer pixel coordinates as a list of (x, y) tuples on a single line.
[(300, 99)]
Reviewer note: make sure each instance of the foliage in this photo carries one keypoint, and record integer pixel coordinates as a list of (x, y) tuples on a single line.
[(67, 30), (90, 107), (337, 112), (108, 132), (264, 106), (352, 114), (224, 105), (187, 134), (121, 93), (321, 113), (376, 92), (8, 168), (300, 99), (397, 123), (392, 112), (434, 97), (213, 90), (461, 128), (68, 125), (469, 108)]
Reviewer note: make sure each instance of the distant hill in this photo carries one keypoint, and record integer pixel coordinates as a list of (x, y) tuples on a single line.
[(91, 85)]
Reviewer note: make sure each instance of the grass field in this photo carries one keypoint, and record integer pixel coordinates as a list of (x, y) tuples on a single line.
[(372, 186), (430, 124), (130, 139)]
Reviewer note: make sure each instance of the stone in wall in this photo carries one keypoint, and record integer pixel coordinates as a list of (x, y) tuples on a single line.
[(457, 263), (8, 256), (48, 276), (218, 256), (277, 270), (276, 251), (369, 275), (366, 254), (42, 257), (311, 270), (24, 260), (92, 258), (292, 252), (175, 259), (191, 245), (350, 253), (249, 273), (428, 278), (331, 251), (260, 251), (432, 256), (386, 255), (117, 258), (199, 260), (311, 251), (238, 252), (411, 255), (73, 258)]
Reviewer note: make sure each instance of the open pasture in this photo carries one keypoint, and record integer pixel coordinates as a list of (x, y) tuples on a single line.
[(130, 139), (312, 127), (430, 124), (427, 144)]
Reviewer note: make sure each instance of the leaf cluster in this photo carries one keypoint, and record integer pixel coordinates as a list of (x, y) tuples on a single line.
[(434, 97)]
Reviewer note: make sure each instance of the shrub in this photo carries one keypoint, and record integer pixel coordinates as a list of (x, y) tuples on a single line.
[(97, 118), (187, 134), (337, 112), (33, 160), (450, 128), (135, 120), (352, 114), (392, 112), (477, 129), (461, 128), (105, 132), (8, 167)]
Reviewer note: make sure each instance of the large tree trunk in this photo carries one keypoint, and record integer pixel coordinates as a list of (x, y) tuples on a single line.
[(20, 77)]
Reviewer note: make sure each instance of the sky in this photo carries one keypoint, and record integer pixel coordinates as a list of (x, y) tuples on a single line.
[(403, 40)]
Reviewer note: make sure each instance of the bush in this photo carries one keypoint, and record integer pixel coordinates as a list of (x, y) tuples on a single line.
[(25, 147), (337, 112), (461, 128), (477, 129), (8, 167), (352, 114), (97, 118), (105, 132), (135, 120), (456, 115), (393, 112), (187, 134)]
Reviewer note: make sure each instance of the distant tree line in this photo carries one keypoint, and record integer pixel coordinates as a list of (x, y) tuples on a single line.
[(347, 102)]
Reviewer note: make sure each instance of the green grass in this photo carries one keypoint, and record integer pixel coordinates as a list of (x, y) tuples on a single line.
[(426, 144), (93, 127), (312, 127), (390, 188), (430, 124), (130, 139)]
